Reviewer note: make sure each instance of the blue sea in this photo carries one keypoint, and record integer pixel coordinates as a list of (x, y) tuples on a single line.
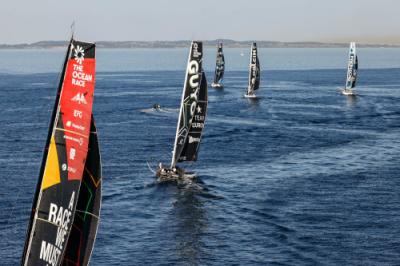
[(304, 176)]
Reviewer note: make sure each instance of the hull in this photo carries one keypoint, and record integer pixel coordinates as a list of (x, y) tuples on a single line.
[(250, 96), (217, 85), (348, 92), (175, 174)]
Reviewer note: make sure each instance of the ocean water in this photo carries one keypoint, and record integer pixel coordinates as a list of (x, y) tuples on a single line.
[(304, 176)]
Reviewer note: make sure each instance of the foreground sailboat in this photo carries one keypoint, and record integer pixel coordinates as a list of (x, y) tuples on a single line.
[(352, 69), (192, 117), (254, 73), (219, 68), (66, 204)]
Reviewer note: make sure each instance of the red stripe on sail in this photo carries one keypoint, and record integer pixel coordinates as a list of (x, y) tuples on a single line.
[(76, 108)]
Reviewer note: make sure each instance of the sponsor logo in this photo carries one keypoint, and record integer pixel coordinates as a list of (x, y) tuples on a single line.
[(71, 169), (191, 139), (77, 140), (75, 126), (78, 113), (254, 55), (196, 52), (79, 98), (198, 109), (60, 216), (79, 54), (194, 78), (72, 153), (197, 125)]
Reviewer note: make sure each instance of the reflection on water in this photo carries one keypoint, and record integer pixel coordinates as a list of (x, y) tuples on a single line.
[(190, 221), (351, 100)]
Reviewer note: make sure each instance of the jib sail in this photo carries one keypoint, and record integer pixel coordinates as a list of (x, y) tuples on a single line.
[(189, 100), (86, 220), (352, 67), (254, 70), (191, 148), (219, 65), (64, 159)]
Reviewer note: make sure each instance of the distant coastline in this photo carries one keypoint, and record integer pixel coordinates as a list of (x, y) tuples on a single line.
[(185, 43)]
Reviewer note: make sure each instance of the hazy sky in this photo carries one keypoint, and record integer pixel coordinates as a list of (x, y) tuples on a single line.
[(284, 20)]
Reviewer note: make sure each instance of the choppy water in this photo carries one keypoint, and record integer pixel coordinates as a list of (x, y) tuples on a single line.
[(303, 177)]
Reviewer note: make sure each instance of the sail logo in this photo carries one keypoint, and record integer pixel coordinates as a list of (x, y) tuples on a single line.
[(76, 140), (254, 56), (72, 153), (73, 125), (351, 64), (79, 54), (78, 114), (79, 98), (194, 78), (61, 217), (192, 139), (196, 52)]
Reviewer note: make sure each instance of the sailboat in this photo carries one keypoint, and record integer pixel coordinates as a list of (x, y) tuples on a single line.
[(66, 205), (254, 73), (191, 119), (352, 70), (219, 68)]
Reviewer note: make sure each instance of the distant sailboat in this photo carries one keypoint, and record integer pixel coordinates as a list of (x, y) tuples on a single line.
[(192, 117), (254, 73), (65, 215), (352, 70), (219, 68)]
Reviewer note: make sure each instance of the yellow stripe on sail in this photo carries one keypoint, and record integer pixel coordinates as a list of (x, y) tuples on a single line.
[(52, 171)]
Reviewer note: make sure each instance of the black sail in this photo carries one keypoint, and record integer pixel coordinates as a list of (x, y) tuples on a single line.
[(219, 65), (355, 72), (192, 144), (86, 221), (352, 68), (189, 98), (254, 70)]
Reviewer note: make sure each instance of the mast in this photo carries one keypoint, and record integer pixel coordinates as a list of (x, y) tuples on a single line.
[(189, 98), (66, 152)]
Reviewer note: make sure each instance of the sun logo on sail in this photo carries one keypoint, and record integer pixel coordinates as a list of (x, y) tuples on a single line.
[(79, 54)]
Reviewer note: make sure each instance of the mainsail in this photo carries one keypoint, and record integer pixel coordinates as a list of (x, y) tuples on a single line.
[(191, 148), (189, 100), (352, 67), (254, 71), (219, 65), (64, 159), (86, 221)]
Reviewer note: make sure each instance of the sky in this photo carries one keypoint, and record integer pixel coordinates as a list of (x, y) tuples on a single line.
[(367, 21)]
